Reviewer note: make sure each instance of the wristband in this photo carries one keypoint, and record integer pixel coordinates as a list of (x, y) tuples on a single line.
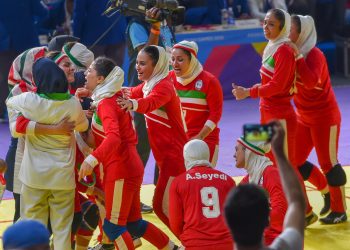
[(155, 32)]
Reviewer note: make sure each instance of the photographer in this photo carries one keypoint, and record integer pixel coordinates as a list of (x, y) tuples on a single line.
[(247, 210), (139, 34)]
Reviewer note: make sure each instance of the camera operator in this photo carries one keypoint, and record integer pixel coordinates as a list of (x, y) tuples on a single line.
[(141, 33)]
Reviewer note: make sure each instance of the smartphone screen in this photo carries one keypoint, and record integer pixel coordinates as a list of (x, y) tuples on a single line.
[(257, 132)]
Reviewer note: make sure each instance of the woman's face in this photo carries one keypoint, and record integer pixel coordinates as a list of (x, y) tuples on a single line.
[(66, 65), (239, 155), (144, 66), (180, 61), (271, 26), (92, 78), (293, 35)]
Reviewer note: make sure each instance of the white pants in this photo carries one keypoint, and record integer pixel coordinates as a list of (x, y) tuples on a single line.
[(58, 205)]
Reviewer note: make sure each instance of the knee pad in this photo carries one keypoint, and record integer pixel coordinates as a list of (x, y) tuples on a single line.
[(305, 170), (91, 215), (113, 231), (137, 228), (336, 176)]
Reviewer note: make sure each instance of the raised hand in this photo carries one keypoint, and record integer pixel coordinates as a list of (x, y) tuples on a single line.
[(239, 92)]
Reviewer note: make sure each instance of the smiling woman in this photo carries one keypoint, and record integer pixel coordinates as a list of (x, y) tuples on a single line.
[(157, 99), (200, 95)]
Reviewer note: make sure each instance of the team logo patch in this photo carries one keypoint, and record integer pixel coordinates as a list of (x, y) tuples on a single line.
[(199, 84)]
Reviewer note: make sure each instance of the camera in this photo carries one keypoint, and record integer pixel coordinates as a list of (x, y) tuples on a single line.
[(257, 132), (168, 8)]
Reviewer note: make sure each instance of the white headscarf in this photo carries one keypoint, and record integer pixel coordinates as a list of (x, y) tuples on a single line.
[(308, 36), (160, 71), (273, 45), (80, 55), (196, 152), (195, 67), (111, 85), (255, 161)]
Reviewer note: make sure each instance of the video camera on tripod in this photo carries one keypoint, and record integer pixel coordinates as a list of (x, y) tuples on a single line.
[(168, 8)]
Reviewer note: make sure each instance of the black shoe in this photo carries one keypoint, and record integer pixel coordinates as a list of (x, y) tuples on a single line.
[(145, 209), (101, 246), (334, 218), (312, 218), (327, 204)]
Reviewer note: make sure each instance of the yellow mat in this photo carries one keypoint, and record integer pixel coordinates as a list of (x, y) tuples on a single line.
[(317, 236)]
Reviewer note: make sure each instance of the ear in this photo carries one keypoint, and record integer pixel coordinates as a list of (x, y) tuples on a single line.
[(100, 79)]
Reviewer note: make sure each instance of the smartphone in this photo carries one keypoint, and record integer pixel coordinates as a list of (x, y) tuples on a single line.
[(257, 132)]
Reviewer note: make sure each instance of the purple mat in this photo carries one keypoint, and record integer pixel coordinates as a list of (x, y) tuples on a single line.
[(235, 114)]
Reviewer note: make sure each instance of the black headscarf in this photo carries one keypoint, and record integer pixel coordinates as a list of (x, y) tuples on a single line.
[(48, 77), (57, 42)]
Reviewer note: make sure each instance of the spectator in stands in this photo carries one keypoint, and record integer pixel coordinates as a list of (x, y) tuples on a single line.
[(199, 12), (247, 207), (200, 94), (89, 24), (330, 18), (17, 33), (319, 119), (302, 7), (250, 155), (26, 235), (196, 201), (259, 8), (240, 8), (141, 33)]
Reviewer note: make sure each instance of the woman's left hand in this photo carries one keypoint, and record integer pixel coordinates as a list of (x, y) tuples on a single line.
[(125, 104), (85, 170)]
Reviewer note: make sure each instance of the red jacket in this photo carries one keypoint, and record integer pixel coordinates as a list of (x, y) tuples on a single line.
[(315, 100)]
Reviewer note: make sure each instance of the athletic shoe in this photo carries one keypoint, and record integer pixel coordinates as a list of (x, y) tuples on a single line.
[(101, 246), (137, 241), (145, 209), (312, 218), (334, 218), (327, 204)]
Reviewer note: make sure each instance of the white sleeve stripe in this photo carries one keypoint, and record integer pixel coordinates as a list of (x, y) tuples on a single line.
[(31, 128), (91, 160), (210, 124), (135, 104)]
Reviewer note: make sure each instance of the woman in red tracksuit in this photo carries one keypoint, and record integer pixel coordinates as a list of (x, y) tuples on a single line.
[(157, 99), (115, 141), (261, 171), (200, 95), (318, 120), (278, 85), (277, 78)]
